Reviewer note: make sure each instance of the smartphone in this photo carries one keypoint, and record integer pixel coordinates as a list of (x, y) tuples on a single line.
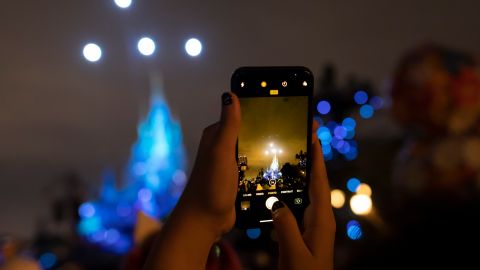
[(273, 147)]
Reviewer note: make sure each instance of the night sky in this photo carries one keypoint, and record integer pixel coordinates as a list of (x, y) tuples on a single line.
[(60, 113), (278, 120)]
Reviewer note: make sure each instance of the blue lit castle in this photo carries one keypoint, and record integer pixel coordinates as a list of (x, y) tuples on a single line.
[(152, 183)]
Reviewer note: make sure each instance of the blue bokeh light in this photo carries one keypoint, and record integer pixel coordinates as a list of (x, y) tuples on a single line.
[(323, 107), (324, 135), (349, 123), (352, 184), (376, 102), (254, 233), (366, 111), (326, 149), (352, 153), (350, 134), (360, 97), (86, 210), (344, 148), (47, 260), (354, 230), (340, 132)]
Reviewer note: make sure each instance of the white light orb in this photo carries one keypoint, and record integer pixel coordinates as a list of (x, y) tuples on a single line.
[(271, 144), (361, 204), (274, 151), (193, 47), (123, 3), (266, 152), (92, 52), (364, 189), (146, 46), (337, 198)]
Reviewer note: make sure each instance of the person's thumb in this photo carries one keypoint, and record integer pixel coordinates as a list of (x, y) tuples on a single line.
[(290, 239), (230, 119)]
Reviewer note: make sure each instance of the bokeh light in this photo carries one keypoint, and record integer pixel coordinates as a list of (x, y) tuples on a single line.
[(349, 123), (193, 47), (376, 102), (112, 236), (324, 135), (354, 230), (323, 107), (352, 184), (123, 3), (254, 233), (360, 97), (337, 198), (361, 204), (364, 189), (366, 111), (340, 132), (86, 210), (146, 46), (353, 153), (326, 149), (47, 260), (144, 195), (92, 52)]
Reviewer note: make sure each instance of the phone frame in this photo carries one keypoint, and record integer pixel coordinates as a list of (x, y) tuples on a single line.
[(274, 76)]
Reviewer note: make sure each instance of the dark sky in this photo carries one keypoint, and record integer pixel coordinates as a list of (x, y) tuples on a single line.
[(59, 112), (278, 120)]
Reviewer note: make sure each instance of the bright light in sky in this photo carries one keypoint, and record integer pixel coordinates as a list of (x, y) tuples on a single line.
[(92, 52), (193, 47), (123, 3), (146, 46)]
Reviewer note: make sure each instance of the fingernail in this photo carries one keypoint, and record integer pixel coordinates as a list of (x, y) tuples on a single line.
[(276, 206), (226, 98)]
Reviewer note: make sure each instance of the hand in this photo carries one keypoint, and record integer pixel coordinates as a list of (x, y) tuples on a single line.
[(212, 188), (206, 209), (311, 248)]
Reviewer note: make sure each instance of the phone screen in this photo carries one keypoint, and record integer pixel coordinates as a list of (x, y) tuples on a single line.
[(272, 149), (272, 145)]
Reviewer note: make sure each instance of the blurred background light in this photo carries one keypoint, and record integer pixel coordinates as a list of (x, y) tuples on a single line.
[(354, 230), (92, 52), (146, 46), (340, 132), (193, 47), (364, 189), (326, 149), (366, 111), (324, 135), (123, 3), (361, 204), (360, 97), (144, 195), (376, 102), (352, 184), (352, 153), (349, 123), (86, 210), (47, 260), (337, 198), (254, 233), (323, 107)]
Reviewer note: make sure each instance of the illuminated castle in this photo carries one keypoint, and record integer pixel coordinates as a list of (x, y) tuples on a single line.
[(153, 182)]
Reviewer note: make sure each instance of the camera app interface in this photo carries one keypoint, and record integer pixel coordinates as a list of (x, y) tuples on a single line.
[(272, 147)]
